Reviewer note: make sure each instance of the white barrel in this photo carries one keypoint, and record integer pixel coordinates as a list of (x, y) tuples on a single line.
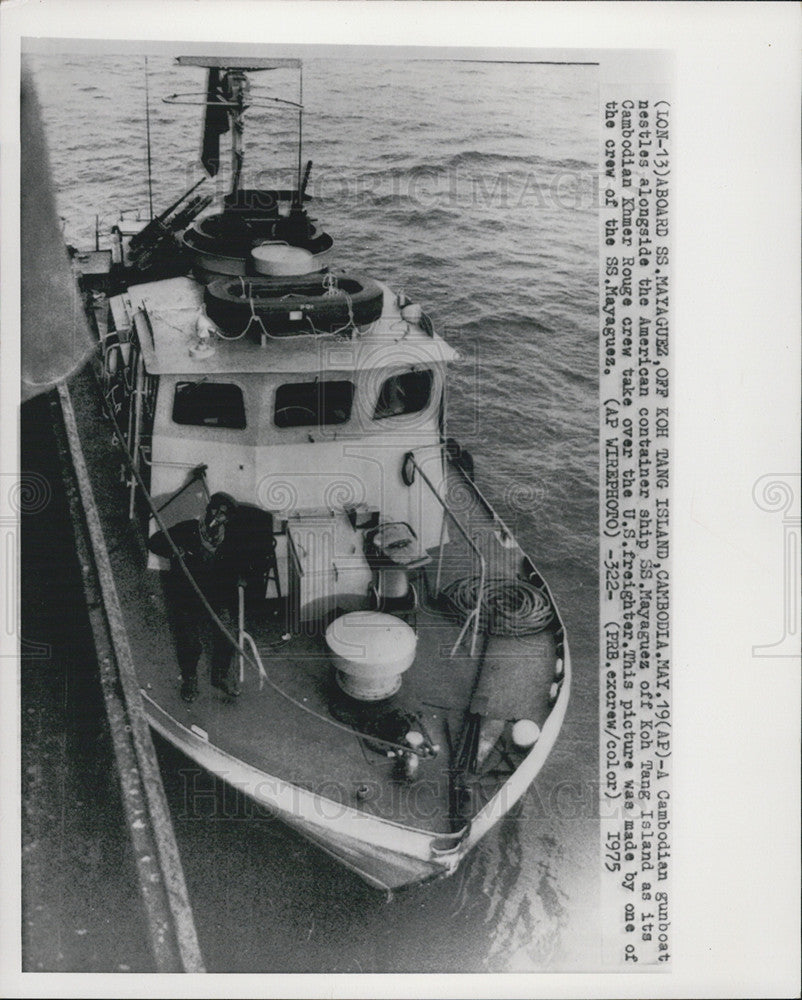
[(279, 259), (370, 651)]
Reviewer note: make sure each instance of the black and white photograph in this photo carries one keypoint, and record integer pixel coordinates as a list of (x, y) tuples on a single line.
[(305, 349), (351, 510)]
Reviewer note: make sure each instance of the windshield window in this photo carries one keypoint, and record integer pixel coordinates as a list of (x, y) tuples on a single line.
[(312, 404), (209, 404), (408, 392)]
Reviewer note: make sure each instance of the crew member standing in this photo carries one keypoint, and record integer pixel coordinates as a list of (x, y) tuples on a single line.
[(200, 544)]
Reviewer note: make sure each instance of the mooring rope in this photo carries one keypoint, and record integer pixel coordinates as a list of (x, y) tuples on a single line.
[(508, 607)]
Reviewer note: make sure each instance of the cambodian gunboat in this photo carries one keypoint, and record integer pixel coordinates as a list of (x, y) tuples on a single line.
[(402, 669)]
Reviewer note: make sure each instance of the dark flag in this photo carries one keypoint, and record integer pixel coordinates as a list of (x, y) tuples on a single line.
[(215, 123)]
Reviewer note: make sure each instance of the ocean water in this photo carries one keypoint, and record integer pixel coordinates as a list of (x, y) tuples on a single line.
[(472, 186)]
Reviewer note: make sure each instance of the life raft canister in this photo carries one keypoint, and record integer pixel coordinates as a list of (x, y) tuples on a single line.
[(295, 304)]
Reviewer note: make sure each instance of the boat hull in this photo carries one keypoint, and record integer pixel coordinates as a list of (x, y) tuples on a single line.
[(285, 774), (385, 854)]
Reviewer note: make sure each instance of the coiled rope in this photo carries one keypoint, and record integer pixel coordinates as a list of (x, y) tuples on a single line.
[(508, 607)]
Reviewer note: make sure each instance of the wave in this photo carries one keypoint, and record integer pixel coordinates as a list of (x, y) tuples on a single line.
[(421, 259), (508, 162), (396, 200)]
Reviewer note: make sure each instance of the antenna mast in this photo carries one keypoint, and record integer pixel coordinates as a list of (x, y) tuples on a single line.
[(147, 127), (300, 121), (237, 91), (226, 100)]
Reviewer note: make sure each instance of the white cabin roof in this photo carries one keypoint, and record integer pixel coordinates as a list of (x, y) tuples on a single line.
[(165, 314)]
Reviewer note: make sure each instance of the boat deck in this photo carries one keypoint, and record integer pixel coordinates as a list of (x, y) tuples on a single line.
[(281, 737)]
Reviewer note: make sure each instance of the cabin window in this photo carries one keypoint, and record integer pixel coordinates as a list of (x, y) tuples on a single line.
[(408, 392), (209, 404), (312, 404)]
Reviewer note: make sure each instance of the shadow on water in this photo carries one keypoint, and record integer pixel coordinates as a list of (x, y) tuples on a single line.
[(81, 910), (265, 898)]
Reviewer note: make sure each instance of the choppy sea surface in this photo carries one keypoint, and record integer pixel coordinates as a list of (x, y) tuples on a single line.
[(472, 187)]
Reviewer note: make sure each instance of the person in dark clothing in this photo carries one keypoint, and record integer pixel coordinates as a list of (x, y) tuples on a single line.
[(201, 544), (248, 549)]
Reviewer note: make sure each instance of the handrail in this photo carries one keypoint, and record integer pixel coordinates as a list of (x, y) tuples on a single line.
[(161, 463), (474, 486), (487, 505), (137, 430), (474, 615), (294, 553)]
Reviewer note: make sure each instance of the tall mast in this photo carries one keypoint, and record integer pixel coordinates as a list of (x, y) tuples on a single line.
[(300, 122), (147, 123), (237, 88), (227, 99)]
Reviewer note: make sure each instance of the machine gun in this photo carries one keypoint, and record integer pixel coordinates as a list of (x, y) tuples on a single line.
[(157, 236)]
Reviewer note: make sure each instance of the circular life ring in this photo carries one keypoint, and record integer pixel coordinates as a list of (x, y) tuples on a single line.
[(224, 234), (293, 304), (223, 242)]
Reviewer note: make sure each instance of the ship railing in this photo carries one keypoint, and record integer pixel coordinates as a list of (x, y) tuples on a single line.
[(142, 403), (506, 534), (472, 619)]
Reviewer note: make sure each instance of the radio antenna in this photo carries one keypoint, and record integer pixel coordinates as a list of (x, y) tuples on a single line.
[(147, 126), (300, 122)]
